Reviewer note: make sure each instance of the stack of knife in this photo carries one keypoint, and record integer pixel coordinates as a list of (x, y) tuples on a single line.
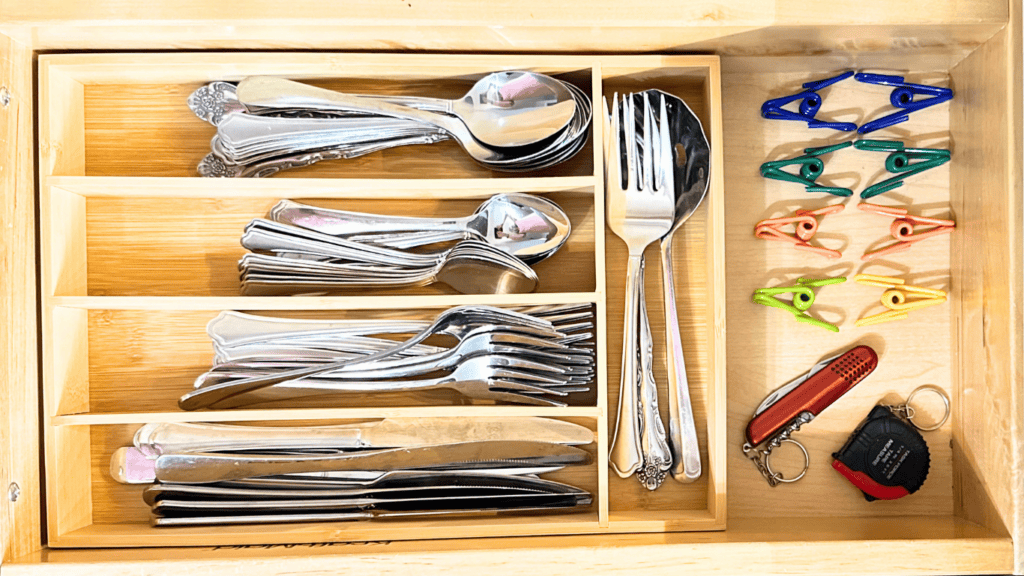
[(221, 474)]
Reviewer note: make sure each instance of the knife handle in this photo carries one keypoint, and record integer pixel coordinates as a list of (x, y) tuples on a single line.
[(175, 437), (815, 394)]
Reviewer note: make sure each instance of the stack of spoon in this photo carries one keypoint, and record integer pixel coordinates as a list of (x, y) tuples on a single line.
[(539, 356), (508, 122), (303, 249)]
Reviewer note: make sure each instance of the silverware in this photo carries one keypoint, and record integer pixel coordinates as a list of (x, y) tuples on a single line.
[(131, 465), (295, 260), (691, 185), (168, 437), (503, 109), (526, 226), (215, 165), (272, 143), (569, 505), (481, 377), (177, 508), (435, 483), (200, 468), (460, 322), (640, 212)]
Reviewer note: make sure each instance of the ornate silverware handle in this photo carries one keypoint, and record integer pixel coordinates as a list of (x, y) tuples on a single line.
[(214, 167), (625, 455), (656, 455)]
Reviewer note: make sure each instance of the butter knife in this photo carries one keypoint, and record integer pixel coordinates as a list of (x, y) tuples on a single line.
[(175, 437), (202, 468)]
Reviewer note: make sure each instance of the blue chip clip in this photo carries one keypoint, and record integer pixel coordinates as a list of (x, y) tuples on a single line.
[(810, 103), (902, 97)]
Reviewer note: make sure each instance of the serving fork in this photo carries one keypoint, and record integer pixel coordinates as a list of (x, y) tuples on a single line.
[(641, 209)]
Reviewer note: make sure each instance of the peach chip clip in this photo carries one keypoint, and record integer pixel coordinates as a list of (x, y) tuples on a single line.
[(902, 228), (806, 226)]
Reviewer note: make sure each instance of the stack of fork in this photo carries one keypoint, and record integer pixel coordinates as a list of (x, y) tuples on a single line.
[(531, 356), (641, 209)]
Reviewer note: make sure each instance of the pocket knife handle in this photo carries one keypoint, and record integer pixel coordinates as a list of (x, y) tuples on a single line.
[(814, 394)]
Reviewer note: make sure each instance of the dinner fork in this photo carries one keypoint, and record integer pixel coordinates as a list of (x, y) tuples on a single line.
[(640, 211), (482, 377)]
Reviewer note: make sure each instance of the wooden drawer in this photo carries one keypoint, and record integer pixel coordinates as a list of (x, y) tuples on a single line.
[(66, 406)]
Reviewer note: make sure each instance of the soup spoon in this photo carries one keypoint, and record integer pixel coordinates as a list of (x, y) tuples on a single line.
[(503, 109)]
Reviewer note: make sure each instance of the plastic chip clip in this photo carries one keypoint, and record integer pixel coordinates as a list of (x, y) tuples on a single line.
[(899, 162), (803, 299), (902, 229), (811, 167), (810, 103), (902, 97), (806, 226), (899, 298)]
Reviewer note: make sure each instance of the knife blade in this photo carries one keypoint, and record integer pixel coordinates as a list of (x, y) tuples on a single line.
[(133, 466), (170, 507), (430, 483), (568, 506), (176, 437), (203, 468)]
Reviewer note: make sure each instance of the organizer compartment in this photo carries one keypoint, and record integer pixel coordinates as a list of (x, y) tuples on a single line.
[(91, 509)]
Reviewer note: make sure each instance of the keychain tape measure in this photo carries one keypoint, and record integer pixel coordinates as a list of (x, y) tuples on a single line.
[(886, 457)]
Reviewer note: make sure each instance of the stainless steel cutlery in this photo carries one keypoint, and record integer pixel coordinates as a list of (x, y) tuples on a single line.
[(509, 121), (304, 250), (541, 358), (662, 187), (640, 210), (226, 473)]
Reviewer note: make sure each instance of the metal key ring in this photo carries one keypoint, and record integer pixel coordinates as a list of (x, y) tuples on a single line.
[(778, 476), (945, 400)]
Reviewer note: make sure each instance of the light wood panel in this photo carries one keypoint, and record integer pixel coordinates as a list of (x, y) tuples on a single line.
[(465, 12), (652, 36), (20, 529), (989, 441), (283, 414), (433, 301), (61, 123), (768, 347), (906, 545), (773, 27), (277, 188)]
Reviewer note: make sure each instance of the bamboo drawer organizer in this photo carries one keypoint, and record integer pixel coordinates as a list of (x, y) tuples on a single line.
[(136, 254), (137, 259)]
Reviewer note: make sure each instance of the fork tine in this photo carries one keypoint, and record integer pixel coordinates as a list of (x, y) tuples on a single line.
[(647, 154), (629, 135), (665, 152)]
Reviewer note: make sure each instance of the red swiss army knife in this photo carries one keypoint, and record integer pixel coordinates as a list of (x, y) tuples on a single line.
[(796, 403)]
